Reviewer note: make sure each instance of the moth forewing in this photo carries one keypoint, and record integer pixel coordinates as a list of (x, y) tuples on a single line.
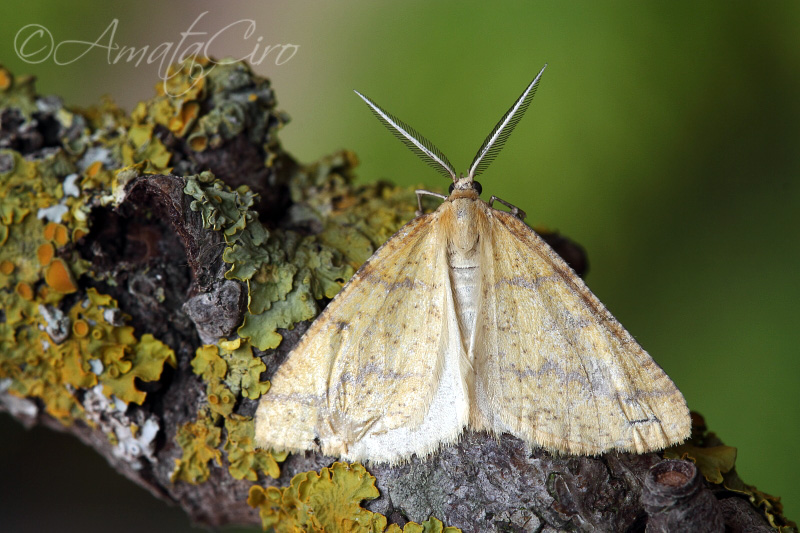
[(365, 375), (571, 378)]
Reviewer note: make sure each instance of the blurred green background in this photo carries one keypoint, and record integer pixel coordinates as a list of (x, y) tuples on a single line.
[(663, 138)]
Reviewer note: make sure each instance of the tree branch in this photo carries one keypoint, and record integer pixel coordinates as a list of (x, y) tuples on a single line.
[(189, 259)]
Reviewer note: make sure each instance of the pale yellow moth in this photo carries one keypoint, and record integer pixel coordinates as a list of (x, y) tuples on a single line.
[(466, 318)]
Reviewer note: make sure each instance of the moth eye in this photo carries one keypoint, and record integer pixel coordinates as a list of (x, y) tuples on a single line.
[(477, 186), (451, 188)]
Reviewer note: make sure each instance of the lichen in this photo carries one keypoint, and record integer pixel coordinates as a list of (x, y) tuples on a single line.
[(285, 273), (244, 370), (432, 525), (60, 351), (46, 351), (200, 442), (229, 370), (61, 344), (143, 146), (131, 442), (713, 461), (355, 220), (145, 362), (329, 501), (245, 460), (93, 352), (234, 101), (17, 92)]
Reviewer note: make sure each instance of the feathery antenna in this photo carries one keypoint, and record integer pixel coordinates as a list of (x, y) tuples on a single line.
[(416, 142), (497, 138)]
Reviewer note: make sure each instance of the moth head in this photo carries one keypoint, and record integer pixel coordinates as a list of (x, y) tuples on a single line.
[(464, 183)]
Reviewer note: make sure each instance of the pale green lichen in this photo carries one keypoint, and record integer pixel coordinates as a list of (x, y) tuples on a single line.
[(329, 501), (244, 370)]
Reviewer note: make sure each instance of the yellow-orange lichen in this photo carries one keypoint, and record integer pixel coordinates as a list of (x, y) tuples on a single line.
[(186, 117), (93, 169), (199, 143), (24, 290), (329, 501), (59, 278), (6, 267), (5, 79), (200, 441), (50, 231), (45, 253), (175, 124), (80, 328), (61, 235)]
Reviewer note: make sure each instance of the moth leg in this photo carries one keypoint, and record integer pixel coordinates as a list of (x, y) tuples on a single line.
[(422, 192), (516, 211)]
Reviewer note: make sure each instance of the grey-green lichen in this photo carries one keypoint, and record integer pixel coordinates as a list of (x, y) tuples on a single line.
[(285, 272), (206, 103)]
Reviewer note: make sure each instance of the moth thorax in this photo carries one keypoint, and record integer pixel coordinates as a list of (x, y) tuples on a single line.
[(463, 232)]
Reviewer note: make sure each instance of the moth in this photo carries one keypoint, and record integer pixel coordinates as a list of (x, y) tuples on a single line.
[(467, 319)]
